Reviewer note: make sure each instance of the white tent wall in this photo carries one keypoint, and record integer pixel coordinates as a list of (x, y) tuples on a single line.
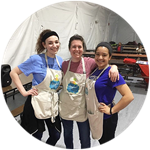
[(21, 44), (60, 17), (94, 22), (125, 32)]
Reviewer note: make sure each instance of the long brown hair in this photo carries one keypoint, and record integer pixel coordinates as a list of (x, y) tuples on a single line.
[(39, 46)]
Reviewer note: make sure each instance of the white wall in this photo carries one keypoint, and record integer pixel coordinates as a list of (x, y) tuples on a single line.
[(125, 32), (94, 22)]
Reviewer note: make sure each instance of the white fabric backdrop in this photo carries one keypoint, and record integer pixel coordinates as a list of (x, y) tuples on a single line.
[(94, 22)]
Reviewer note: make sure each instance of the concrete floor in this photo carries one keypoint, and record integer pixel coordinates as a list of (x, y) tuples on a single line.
[(126, 116)]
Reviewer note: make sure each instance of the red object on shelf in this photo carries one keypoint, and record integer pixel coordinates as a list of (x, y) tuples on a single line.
[(145, 71), (129, 60)]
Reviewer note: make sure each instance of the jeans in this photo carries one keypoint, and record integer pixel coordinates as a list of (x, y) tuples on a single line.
[(84, 133), (109, 128), (54, 135)]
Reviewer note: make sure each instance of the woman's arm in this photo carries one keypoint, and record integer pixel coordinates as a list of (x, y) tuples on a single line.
[(127, 97), (113, 73), (14, 74)]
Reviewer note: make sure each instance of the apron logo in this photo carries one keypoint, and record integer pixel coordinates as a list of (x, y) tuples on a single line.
[(54, 84), (72, 86)]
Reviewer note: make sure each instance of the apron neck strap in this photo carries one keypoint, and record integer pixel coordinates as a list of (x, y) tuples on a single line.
[(56, 61), (83, 65), (102, 72)]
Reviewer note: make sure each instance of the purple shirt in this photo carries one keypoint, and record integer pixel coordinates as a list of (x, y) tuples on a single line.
[(105, 88)]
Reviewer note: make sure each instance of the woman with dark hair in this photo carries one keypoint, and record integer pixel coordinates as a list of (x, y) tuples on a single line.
[(72, 105), (100, 93)]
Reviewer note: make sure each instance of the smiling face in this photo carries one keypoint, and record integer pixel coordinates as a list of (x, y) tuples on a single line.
[(52, 45), (76, 50), (102, 57)]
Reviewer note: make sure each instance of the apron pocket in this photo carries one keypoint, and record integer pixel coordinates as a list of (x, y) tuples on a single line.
[(43, 105), (96, 124)]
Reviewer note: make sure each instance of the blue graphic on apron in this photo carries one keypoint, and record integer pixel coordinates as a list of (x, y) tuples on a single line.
[(54, 84), (73, 87)]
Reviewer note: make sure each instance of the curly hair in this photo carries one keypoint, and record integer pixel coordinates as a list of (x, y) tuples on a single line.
[(39, 46)]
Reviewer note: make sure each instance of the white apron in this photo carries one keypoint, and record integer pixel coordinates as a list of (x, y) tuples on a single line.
[(94, 115), (45, 104), (72, 97)]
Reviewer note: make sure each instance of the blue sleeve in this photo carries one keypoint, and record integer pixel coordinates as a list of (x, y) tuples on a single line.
[(118, 82), (27, 67)]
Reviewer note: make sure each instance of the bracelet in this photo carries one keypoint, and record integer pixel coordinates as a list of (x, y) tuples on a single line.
[(110, 111)]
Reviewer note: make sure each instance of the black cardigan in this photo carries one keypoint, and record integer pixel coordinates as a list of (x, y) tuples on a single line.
[(31, 124)]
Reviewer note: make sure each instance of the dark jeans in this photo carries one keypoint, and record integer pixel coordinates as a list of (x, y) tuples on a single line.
[(84, 133), (109, 128), (54, 135)]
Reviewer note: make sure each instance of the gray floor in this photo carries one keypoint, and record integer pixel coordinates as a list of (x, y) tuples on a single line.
[(126, 116)]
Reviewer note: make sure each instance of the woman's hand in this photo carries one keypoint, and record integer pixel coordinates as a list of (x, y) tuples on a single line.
[(104, 108), (113, 73), (32, 92)]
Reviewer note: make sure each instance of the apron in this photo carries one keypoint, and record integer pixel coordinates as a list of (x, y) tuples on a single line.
[(95, 117), (72, 97), (45, 104)]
